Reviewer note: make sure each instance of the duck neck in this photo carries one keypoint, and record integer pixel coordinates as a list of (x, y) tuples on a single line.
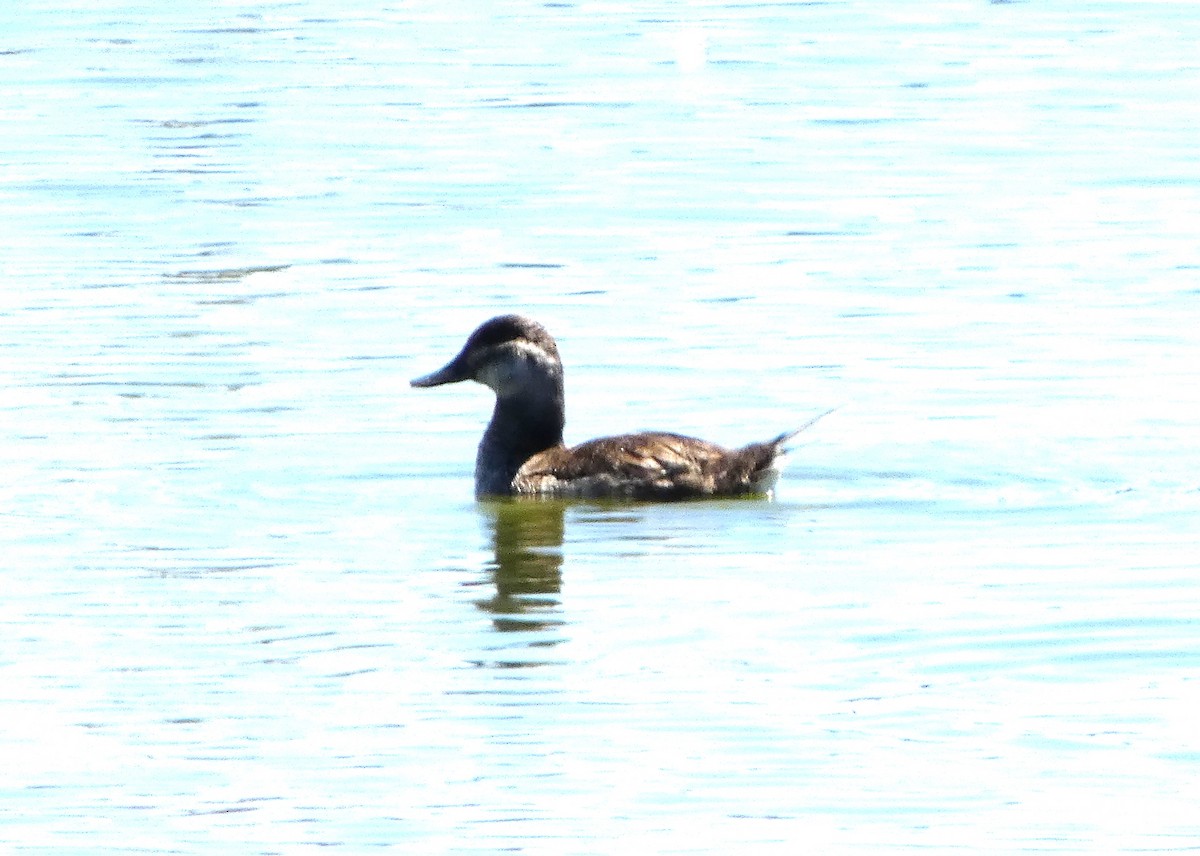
[(522, 425)]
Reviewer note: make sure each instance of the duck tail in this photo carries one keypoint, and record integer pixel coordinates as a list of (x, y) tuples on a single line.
[(778, 443), (755, 468)]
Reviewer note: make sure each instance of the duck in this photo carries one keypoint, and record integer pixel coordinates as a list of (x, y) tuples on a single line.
[(522, 452)]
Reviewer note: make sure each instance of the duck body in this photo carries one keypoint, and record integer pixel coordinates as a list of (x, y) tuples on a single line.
[(651, 465), (522, 452)]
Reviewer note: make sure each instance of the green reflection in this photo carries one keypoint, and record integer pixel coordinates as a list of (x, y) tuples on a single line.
[(527, 537)]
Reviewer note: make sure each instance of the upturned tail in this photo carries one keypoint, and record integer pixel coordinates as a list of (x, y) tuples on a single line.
[(778, 442)]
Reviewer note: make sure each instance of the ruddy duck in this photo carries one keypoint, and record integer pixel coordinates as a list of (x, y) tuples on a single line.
[(522, 451)]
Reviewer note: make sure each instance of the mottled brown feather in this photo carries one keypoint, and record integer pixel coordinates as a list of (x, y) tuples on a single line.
[(652, 465)]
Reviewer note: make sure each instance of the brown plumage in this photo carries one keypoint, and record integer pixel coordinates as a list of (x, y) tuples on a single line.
[(651, 465), (522, 451)]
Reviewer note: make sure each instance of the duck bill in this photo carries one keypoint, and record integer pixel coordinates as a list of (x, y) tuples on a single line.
[(452, 372)]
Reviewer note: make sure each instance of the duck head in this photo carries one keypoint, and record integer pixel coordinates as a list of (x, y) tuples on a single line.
[(515, 356), (518, 360)]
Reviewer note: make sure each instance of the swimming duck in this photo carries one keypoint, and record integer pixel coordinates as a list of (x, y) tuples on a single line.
[(522, 451)]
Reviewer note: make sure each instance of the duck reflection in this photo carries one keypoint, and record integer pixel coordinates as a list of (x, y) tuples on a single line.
[(527, 537)]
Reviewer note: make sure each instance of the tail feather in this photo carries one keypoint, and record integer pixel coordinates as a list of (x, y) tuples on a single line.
[(778, 442), (755, 468)]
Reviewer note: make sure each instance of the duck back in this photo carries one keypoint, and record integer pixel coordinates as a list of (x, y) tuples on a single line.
[(651, 465)]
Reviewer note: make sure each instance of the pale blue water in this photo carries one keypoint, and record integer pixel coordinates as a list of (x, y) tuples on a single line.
[(249, 604)]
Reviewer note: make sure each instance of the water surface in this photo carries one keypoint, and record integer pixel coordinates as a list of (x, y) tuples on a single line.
[(250, 603)]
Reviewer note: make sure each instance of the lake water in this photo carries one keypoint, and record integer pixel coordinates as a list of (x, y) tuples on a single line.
[(249, 603)]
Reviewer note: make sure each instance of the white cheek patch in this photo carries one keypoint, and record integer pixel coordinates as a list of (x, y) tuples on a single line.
[(494, 374), (513, 365)]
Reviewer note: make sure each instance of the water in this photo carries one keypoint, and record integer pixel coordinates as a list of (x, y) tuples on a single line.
[(249, 602)]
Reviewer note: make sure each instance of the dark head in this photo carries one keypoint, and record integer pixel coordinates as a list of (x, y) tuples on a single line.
[(511, 354), (518, 360)]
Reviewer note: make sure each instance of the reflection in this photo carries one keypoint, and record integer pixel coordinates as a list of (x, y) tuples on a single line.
[(527, 537)]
